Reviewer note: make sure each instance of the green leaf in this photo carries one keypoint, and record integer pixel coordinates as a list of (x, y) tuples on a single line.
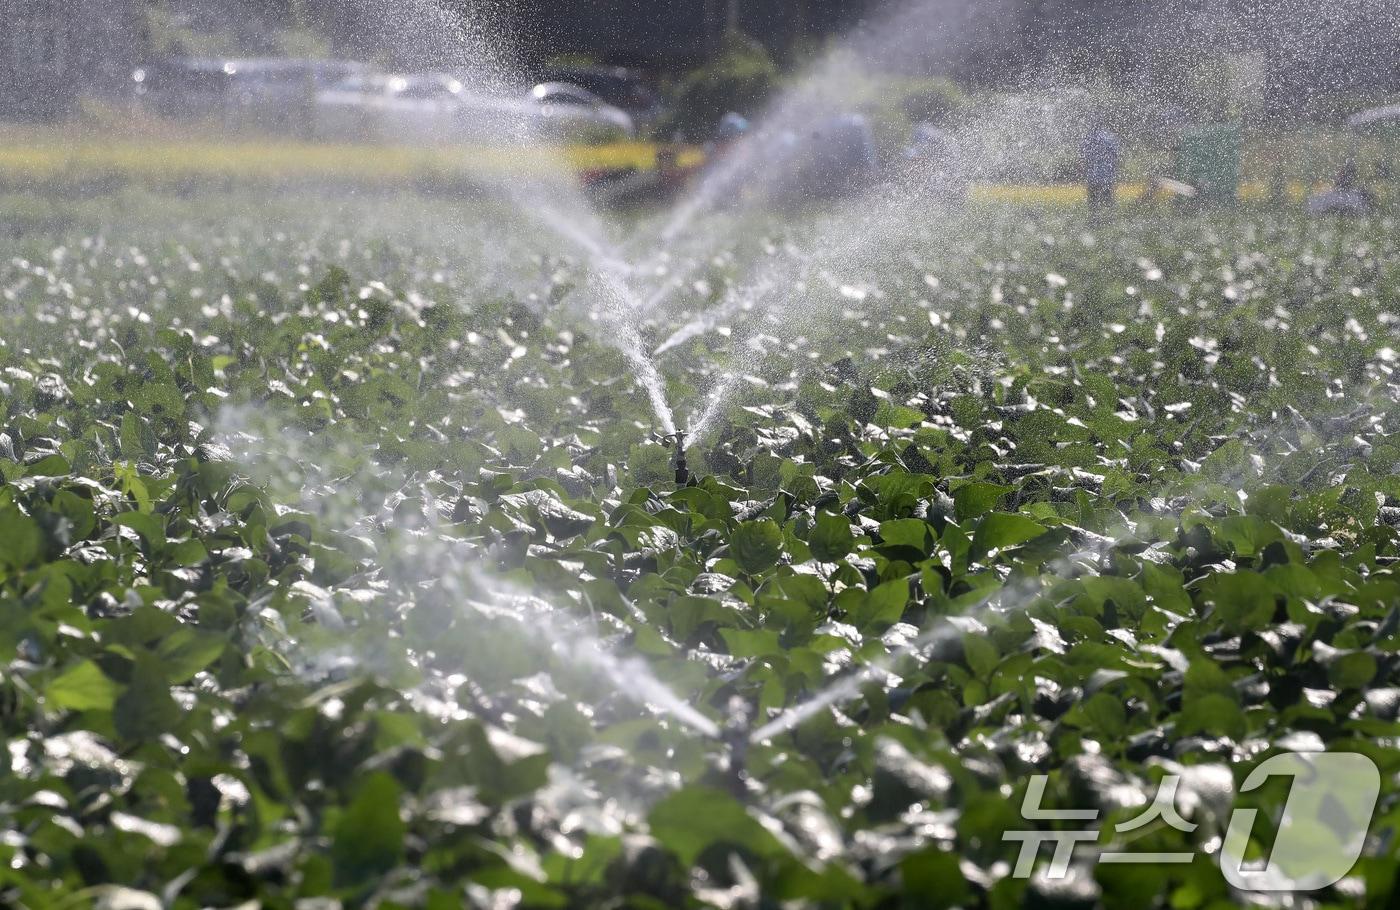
[(187, 553), (23, 541), (52, 466), (805, 589), (83, 687), (1205, 677), (1214, 715), (1352, 671), (1105, 715), (982, 656), (1228, 464), (134, 433), (1164, 586), (130, 482), (1243, 600), (159, 400), (189, 651), (79, 512), (907, 532), (557, 517), (757, 545), (710, 505), (146, 710), (936, 877), (975, 499), (883, 606), (1247, 535), (755, 643), (831, 538), (148, 527), (696, 818), (897, 416), (1130, 598), (367, 841), (1001, 531)]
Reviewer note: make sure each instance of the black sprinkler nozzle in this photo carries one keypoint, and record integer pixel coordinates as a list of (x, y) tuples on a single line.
[(677, 439)]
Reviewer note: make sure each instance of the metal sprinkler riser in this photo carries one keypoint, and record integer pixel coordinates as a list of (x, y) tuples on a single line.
[(677, 439)]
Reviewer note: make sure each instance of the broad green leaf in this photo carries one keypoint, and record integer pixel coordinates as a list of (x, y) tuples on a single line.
[(936, 877), (52, 466), (976, 499), (1352, 671), (1001, 531), (982, 656), (368, 838), (897, 416), (146, 709), (1246, 535), (882, 607), (831, 537), (757, 545), (158, 400), (1243, 600), (907, 532), (148, 527), (21, 540), (82, 687), (696, 818), (189, 651), (1214, 715)]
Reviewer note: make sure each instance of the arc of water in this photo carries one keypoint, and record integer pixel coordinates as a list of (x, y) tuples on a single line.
[(910, 31), (735, 301), (431, 30), (849, 234), (850, 687), (630, 677), (619, 317)]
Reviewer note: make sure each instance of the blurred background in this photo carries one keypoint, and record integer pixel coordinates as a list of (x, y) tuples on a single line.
[(159, 91)]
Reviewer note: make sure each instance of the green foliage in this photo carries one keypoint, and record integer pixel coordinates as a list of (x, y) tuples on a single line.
[(932, 100), (357, 586), (740, 79)]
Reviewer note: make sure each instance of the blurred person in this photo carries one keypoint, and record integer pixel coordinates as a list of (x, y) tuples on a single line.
[(1102, 154), (853, 146), (1346, 197), (731, 130), (836, 159), (933, 154)]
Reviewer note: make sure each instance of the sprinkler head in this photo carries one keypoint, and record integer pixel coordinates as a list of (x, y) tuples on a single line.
[(677, 440)]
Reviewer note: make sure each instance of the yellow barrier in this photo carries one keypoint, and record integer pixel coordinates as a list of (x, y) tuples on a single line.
[(182, 160), (1065, 194), (37, 158)]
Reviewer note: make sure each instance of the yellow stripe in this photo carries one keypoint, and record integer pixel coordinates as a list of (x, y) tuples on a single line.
[(183, 159), (49, 157)]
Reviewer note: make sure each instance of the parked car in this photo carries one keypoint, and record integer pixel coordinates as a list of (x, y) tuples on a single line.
[(428, 108), (183, 87), (565, 105), (381, 106), (619, 86), (202, 83), (274, 95)]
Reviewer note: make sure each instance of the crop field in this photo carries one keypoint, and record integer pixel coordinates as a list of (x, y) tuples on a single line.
[(339, 565)]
